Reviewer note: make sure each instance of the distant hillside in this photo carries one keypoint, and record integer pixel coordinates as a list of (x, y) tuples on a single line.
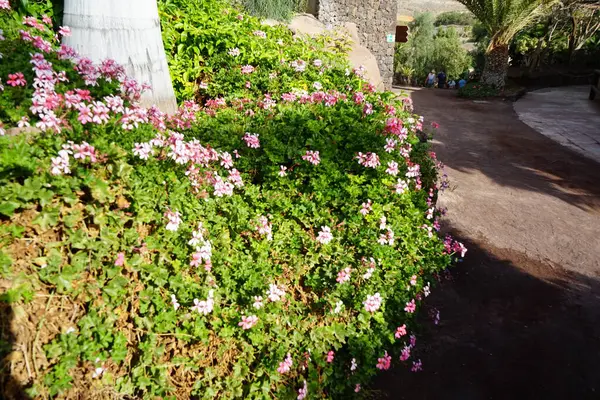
[(412, 7)]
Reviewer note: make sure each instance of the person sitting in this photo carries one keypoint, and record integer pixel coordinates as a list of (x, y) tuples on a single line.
[(462, 83), (452, 84), (441, 80)]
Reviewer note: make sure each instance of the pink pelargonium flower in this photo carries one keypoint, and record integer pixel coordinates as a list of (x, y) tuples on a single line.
[(357, 388), (312, 157), (400, 331), (405, 354), (285, 365), (303, 392), (401, 186), (264, 227), (384, 363), (417, 366), (410, 307), (16, 79), (370, 160), (142, 150), (205, 306), (413, 341), (282, 171), (330, 356), (435, 125), (251, 140), (325, 235), (120, 261), (174, 302), (344, 275), (247, 69), (275, 293), (248, 322), (366, 207), (222, 188), (173, 220), (373, 303), (64, 31), (392, 168), (390, 145), (4, 5)]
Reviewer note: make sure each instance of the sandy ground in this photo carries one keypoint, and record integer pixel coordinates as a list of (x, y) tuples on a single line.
[(521, 316)]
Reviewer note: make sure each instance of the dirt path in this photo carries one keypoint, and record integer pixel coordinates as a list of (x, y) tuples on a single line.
[(521, 317)]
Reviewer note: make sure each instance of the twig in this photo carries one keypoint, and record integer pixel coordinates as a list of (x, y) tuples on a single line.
[(37, 334), (24, 351)]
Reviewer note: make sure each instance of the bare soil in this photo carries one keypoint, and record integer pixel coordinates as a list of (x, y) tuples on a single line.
[(521, 317)]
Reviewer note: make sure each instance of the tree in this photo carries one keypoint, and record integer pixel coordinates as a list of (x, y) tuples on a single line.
[(585, 22), (127, 31), (503, 19)]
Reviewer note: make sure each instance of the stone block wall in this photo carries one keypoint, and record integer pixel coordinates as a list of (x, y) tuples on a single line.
[(375, 20)]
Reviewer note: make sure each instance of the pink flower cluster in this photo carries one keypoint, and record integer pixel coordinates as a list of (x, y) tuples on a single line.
[(285, 365), (384, 363), (173, 220), (203, 249), (275, 292), (205, 307), (370, 267), (325, 236), (400, 331), (330, 356), (4, 5), (264, 227), (16, 79), (366, 207), (303, 392), (312, 157), (373, 303), (369, 160), (83, 151), (248, 322), (454, 246), (344, 275), (251, 140)]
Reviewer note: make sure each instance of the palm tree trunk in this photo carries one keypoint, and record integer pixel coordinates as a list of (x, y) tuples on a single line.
[(496, 66), (127, 31)]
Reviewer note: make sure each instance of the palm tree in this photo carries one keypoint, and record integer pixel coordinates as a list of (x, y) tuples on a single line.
[(503, 19), (127, 31)]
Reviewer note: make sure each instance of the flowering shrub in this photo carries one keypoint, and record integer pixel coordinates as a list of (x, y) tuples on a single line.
[(476, 90), (214, 51), (254, 247)]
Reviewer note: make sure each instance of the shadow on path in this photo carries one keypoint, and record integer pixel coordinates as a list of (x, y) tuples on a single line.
[(510, 328), (489, 137)]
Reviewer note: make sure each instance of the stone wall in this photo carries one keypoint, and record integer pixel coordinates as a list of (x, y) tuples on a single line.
[(375, 20)]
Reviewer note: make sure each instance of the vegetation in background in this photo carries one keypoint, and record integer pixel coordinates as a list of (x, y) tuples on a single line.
[(455, 18), (428, 50), (254, 245), (476, 90), (503, 21), (280, 10)]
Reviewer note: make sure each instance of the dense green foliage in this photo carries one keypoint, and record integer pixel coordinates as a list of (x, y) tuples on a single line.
[(200, 39), (142, 259), (280, 10), (454, 18), (430, 49)]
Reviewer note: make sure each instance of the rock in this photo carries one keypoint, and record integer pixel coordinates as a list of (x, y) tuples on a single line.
[(306, 24), (271, 22), (360, 55)]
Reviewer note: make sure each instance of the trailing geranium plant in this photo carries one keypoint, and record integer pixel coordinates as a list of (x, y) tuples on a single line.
[(253, 247)]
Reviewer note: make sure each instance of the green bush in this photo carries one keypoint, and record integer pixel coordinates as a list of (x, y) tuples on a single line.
[(476, 90), (280, 10), (212, 254)]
